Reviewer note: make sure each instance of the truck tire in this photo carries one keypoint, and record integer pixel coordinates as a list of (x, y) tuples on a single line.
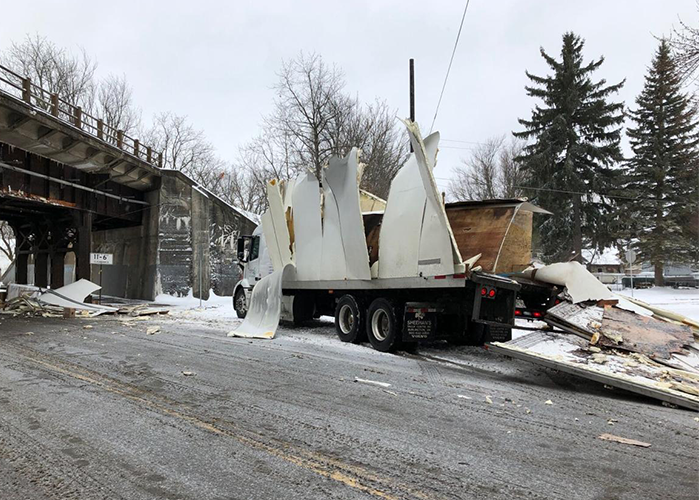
[(383, 326), (348, 320), (240, 304)]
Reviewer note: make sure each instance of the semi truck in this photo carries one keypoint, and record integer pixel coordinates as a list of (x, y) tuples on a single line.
[(388, 272)]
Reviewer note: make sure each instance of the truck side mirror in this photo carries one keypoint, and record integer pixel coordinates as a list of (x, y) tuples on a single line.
[(243, 248)]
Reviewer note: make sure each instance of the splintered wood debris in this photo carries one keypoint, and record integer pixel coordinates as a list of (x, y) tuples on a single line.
[(621, 440), (651, 353), (27, 305)]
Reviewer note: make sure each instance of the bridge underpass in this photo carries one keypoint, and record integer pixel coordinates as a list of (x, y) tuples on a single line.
[(71, 183)]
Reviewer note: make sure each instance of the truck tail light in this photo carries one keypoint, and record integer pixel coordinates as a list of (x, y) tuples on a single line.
[(492, 293), (483, 290), (537, 314), (518, 312)]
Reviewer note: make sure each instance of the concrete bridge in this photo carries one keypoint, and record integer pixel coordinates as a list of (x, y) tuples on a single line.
[(72, 184)]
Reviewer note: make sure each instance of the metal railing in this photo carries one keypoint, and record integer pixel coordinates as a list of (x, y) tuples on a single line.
[(22, 87)]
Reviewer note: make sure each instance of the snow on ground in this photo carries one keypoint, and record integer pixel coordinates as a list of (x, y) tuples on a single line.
[(685, 302), (217, 311)]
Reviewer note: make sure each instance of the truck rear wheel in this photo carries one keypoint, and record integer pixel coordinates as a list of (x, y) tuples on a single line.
[(383, 327), (240, 304), (348, 320)]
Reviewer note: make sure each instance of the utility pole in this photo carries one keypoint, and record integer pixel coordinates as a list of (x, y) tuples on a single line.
[(411, 94)]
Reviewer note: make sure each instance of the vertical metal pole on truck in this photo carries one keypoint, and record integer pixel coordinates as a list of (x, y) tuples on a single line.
[(411, 95), (100, 299)]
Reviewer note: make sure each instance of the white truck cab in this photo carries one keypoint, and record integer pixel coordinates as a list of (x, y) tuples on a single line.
[(254, 261)]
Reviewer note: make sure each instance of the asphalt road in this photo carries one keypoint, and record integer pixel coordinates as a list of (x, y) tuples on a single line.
[(106, 412)]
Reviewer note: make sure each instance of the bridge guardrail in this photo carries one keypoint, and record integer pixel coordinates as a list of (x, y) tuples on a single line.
[(23, 88)]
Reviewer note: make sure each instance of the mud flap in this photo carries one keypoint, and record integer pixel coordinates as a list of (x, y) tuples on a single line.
[(265, 307)]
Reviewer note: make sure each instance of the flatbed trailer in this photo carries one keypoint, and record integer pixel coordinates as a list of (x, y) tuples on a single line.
[(393, 313), (395, 272)]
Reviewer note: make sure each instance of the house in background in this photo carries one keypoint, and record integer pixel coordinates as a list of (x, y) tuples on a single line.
[(606, 265)]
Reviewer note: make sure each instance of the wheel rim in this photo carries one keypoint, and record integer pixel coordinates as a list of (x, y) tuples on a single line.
[(380, 325), (346, 319), (240, 302)]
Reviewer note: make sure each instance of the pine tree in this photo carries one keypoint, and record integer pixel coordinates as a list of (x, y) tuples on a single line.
[(573, 154), (663, 172)]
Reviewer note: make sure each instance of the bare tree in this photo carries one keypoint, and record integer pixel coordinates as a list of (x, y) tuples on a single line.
[(376, 131), (315, 118), (684, 45), (489, 172), (184, 147), (54, 69), (309, 106), (511, 175), (114, 104)]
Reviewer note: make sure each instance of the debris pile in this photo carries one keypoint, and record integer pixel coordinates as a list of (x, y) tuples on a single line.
[(612, 339), (23, 305), (66, 301)]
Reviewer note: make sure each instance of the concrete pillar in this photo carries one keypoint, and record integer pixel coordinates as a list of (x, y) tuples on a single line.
[(21, 268), (82, 253), (41, 264), (57, 266)]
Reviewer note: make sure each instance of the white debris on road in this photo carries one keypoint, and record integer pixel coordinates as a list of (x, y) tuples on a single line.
[(372, 382)]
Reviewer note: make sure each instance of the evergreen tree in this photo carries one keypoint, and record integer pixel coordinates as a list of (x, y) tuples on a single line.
[(663, 172), (574, 148)]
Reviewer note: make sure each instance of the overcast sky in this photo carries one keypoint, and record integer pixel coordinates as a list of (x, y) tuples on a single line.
[(216, 61)]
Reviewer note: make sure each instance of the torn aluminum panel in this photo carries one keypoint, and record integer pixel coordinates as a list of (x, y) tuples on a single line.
[(435, 221), (581, 320), (581, 285), (275, 227), (568, 354), (399, 235), (73, 295), (306, 207), (415, 236), (265, 307), (344, 250)]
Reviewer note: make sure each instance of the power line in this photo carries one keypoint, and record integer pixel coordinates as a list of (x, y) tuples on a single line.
[(449, 67), (457, 147), (465, 142), (582, 193)]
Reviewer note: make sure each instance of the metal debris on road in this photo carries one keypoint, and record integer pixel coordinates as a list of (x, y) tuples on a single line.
[(611, 340), (372, 382)]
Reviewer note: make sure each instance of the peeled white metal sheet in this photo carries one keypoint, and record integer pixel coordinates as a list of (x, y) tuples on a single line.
[(73, 295), (263, 316), (275, 227), (332, 251), (343, 218), (415, 237), (581, 284), (306, 207), (399, 235), (435, 223)]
